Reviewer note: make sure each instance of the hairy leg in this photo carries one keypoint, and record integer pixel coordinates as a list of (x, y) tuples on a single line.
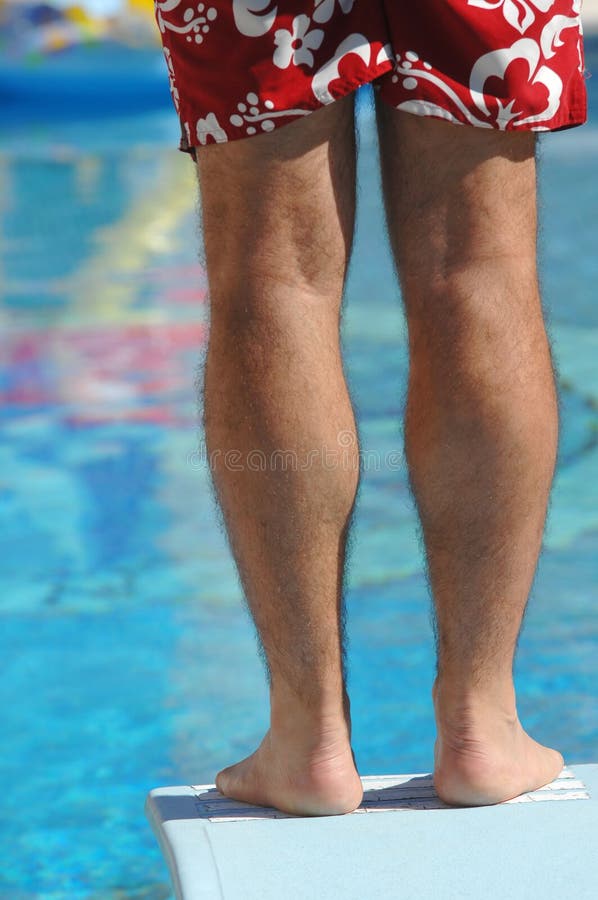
[(278, 218), (481, 427)]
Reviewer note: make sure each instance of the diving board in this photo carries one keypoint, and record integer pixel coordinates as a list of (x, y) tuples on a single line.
[(403, 842)]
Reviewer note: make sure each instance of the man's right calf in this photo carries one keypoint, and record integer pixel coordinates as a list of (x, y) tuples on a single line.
[(481, 429), (481, 436)]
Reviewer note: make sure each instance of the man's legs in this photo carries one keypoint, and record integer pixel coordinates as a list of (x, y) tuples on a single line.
[(481, 427), (278, 217)]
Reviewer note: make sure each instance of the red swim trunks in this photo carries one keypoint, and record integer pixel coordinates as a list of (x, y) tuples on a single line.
[(238, 68)]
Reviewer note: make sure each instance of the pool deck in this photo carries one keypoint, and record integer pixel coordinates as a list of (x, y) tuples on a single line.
[(402, 842)]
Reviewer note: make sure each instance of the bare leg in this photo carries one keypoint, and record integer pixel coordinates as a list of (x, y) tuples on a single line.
[(481, 428), (278, 217)]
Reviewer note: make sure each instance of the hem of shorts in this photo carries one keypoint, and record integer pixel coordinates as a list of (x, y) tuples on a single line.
[(346, 86), (575, 116)]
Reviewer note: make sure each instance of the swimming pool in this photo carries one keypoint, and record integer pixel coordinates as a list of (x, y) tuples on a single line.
[(121, 611)]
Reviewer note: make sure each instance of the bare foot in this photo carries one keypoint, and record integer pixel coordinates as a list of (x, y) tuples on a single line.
[(483, 756), (306, 776)]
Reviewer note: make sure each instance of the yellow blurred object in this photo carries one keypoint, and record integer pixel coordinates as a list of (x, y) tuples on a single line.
[(88, 26), (79, 15), (143, 6), (55, 40)]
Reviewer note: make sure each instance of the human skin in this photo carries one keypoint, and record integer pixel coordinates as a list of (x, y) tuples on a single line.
[(278, 213)]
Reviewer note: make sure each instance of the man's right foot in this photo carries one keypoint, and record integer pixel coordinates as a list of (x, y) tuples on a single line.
[(483, 755)]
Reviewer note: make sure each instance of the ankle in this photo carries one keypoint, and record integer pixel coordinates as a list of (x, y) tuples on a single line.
[(321, 718), (458, 701)]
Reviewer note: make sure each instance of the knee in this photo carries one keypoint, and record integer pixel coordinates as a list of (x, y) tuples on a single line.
[(480, 315), (270, 323), (480, 359)]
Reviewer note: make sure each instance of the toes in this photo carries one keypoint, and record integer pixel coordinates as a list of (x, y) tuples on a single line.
[(558, 763), (222, 781), (550, 765), (235, 782)]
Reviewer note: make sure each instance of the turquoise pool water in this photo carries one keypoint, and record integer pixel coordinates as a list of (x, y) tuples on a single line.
[(129, 660)]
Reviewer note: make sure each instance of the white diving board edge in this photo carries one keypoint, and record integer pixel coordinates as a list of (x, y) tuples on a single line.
[(402, 842)]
